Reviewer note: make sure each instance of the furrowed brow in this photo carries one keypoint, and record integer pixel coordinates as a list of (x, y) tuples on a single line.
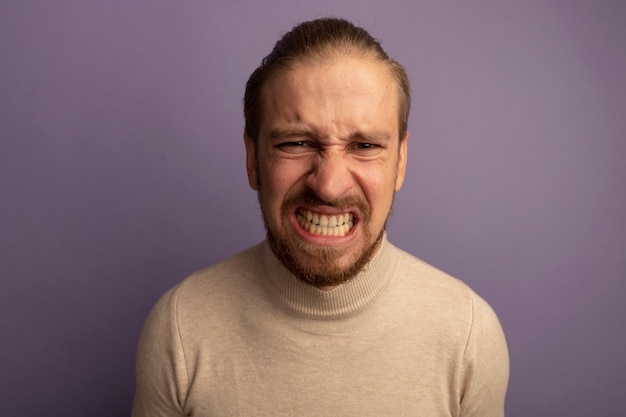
[(278, 134), (370, 136), (373, 136)]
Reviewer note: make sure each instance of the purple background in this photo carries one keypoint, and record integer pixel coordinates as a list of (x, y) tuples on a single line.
[(122, 171)]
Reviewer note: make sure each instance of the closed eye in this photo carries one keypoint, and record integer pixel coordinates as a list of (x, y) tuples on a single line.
[(295, 146), (292, 144), (366, 148), (366, 145)]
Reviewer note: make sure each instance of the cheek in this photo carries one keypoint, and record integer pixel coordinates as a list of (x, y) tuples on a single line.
[(378, 186), (277, 181), (287, 172)]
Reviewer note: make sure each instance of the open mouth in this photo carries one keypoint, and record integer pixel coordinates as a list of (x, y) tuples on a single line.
[(324, 224)]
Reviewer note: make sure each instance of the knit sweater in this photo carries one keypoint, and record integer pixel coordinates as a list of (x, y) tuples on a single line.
[(247, 338)]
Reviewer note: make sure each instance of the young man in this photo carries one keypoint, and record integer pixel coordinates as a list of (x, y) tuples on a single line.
[(325, 317)]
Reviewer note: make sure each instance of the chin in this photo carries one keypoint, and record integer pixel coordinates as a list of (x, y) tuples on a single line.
[(322, 266)]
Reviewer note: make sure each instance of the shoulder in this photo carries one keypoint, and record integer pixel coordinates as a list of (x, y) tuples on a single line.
[(425, 278), (440, 296), (217, 289), (227, 275), (195, 311)]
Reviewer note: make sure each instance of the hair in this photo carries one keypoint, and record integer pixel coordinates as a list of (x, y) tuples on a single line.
[(319, 39)]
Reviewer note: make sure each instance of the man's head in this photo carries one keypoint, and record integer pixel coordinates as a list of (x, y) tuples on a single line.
[(326, 136)]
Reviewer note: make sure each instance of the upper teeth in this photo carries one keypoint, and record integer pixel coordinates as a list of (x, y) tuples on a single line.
[(321, 224)]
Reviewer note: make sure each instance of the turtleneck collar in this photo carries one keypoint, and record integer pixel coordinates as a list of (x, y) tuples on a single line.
[(343, 300)]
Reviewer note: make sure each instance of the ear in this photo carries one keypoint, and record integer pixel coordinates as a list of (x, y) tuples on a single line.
[(402, 156), (251, 166)]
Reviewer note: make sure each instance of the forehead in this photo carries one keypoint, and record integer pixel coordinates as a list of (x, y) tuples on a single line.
[(345, 92)]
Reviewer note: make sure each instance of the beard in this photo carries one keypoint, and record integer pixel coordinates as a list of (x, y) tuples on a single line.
[(316, 265)]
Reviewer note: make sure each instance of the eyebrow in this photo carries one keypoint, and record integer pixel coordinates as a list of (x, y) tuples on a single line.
[(375, 135), (290, 133)]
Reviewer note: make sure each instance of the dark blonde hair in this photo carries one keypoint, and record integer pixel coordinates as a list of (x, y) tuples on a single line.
[(318, 39)]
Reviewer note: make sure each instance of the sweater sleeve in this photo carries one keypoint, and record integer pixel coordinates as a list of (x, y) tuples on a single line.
[(161, 374), (486, 365)]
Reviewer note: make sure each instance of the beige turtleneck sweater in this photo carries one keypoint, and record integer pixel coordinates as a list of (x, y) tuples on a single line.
[(246, 338)]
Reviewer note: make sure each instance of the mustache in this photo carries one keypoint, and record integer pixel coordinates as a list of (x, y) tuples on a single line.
[(308, 197)]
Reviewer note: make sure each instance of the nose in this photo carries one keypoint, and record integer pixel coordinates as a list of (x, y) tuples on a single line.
[(330, 177)]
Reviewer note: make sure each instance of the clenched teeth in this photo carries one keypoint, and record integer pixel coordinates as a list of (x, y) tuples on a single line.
[(321, 224)]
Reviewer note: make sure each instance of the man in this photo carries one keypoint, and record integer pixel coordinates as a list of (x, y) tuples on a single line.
[(326, 317)]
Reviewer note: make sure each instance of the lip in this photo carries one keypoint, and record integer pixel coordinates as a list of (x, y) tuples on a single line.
[(329, 211), (316, 239)]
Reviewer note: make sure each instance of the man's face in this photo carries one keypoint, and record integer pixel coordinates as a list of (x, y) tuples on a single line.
[(327, 165)]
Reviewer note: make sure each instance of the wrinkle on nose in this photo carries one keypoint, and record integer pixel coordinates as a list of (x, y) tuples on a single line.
[(330, 177)]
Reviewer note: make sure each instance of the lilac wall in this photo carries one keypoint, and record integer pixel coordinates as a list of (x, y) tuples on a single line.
[(121, 171)]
